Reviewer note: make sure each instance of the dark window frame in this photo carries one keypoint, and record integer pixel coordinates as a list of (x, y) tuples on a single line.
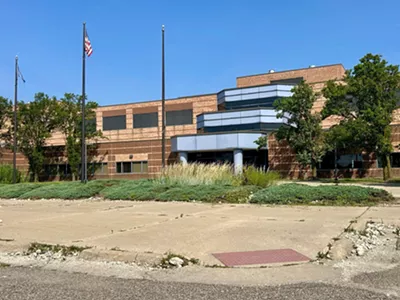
[(119, 165)]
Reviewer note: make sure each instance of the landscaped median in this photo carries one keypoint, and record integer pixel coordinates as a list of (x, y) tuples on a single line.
[(205, 183), (147, 190)]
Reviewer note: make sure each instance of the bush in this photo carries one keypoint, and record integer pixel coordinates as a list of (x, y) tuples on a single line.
[(322, 195), (199, 174), (16, 190), (258, 177), (6, 174), (68, 190), (158, 191)]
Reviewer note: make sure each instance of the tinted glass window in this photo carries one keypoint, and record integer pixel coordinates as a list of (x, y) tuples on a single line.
[(145, 120), (179, 117), (293, 81), (114, 123)]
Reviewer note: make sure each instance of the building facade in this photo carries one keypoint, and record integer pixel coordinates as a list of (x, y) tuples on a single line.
[(220, 127)]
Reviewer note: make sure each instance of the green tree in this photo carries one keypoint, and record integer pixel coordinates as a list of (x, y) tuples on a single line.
[(303, 133), (70, 124), (5, 113), (36, 122), (365, 102)]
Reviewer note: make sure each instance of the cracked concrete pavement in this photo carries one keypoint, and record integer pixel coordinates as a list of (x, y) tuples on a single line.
[(149, 229)]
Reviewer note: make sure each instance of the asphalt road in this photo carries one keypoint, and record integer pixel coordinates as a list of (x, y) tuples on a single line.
[(31, 283)]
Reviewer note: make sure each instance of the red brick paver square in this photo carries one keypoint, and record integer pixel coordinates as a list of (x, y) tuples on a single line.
[(231, 259)]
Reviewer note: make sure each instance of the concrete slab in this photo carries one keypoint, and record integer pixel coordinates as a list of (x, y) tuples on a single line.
[(193, 229)]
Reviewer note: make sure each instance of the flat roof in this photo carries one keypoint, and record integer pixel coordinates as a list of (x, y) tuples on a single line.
[(291, 70)]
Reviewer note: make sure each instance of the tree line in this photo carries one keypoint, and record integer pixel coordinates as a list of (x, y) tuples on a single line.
[(39, 119), (363, 102)]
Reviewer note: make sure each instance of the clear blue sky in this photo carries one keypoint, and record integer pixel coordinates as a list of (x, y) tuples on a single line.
[(208, 42)]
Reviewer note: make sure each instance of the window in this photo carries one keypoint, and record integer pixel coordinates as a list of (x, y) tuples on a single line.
[(135, 167), (179, 117), (344, 161), (294, 81), (97, 169), (145, 120), (394, 160), (114, 123)]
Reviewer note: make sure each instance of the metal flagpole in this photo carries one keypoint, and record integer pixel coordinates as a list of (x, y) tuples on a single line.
[(83, 151), (163, 102), (15, 122)]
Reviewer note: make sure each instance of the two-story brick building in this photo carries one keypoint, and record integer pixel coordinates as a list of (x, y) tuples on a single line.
[(207, 128)]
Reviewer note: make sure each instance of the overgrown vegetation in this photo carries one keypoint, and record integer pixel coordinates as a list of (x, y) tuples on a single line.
[(321, 195), (64, 250), (258, 177), (199, 174), (6, 174)]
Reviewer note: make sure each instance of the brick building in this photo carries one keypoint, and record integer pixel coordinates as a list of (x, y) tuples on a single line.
[(205, 128)]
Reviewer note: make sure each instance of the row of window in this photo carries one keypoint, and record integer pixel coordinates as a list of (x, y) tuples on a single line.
[(353, 161), (147, 120), (65, 169), (130, 167)]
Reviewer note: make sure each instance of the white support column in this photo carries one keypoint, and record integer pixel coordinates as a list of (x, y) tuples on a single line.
[(183, 158), (238, 161)]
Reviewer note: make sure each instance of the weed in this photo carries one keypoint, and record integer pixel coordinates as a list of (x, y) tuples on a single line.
[(65, 250), (4, 265), (258, 177), (186, 261)]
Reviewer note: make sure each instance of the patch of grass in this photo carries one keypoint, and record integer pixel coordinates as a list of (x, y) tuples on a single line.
[(4, 265), (16, 190), (321, 195), (69, 190), (65, 250), (258, 177)]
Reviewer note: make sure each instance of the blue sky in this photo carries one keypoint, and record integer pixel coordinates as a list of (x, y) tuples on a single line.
[(208, 43)]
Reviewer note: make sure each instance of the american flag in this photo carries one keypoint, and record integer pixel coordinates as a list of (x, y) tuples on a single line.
[(88, 45)]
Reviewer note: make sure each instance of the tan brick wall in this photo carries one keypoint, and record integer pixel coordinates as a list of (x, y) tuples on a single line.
[(310, 75)]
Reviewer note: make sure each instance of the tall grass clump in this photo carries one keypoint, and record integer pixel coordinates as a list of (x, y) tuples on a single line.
[(199, 174), (6, 174), (258, 177)]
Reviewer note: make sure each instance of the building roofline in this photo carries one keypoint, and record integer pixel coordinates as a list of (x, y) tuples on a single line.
[(299, 69), (149, 101), (254, 86), (220, 133)]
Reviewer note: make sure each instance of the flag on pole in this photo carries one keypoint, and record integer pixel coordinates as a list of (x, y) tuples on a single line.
[(88, 45), (20, 74)]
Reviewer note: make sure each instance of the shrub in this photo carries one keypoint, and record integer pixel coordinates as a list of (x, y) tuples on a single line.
[(68, 190), (199, 174), (322, 195), (158, 191), (6, 174), (16, 190), (258, 177)]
